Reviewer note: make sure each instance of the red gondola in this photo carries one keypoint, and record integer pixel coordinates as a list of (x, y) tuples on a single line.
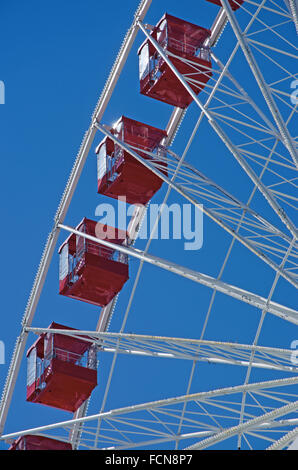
[(185, 43), (120, 174), (35, 442), (62, 370), (89, 271), (235, 4)]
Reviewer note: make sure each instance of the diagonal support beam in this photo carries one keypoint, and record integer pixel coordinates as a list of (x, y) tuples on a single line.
[(171, 129), (233, 431), (216, 352), (293, 8), (255, 300), (246, 208), (62, 210), (286, 138), (284, 441), (199, 397), (208, 212), (262, 188)]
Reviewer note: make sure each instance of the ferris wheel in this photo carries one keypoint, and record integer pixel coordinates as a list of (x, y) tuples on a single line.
[(231, 91)]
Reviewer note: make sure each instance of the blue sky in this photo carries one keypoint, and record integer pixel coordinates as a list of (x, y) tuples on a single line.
[(55, 58)]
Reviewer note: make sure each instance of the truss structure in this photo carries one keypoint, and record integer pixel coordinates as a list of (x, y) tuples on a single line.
[(206, 414), (256, 125)]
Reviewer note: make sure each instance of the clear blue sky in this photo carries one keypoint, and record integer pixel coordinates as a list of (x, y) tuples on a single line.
[(55, 58)]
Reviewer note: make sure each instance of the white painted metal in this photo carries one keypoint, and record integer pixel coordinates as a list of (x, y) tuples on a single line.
[(215, 397), (261, 82), (217, 128), (294, 11), (62, 210), (226, 434), (186, 194), (290, 437), (181, 348), (248, 297), (223, 353)]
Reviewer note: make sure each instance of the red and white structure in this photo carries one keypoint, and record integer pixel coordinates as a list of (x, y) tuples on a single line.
[(35, 442), (119, 174), (184, 43), (181, 63), (61, 371), (88, 271)]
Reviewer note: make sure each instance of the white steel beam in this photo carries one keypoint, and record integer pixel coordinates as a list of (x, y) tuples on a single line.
[(250, 298), (247, 243), (293, 7), (198, 397), (102, 325), (284, 441), (134, 225), (241, 428), (216, 352), (266, 225), (174, 122), (217, 28), (263, 189), (62, 210), (245, 94), (132, 229), (286, 138)]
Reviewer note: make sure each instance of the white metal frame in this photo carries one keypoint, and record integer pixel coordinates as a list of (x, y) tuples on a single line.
[(276, 248), (199, 422)]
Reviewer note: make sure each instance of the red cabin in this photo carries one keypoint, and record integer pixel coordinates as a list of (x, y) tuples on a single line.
[(35, 442), (61, 370), (120, 174), (191, 58), (89, 271), (235, 4)]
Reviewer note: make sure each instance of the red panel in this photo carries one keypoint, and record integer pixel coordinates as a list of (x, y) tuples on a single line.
[(179, 29), (138, 134), (233, 4), (128, 177), (39, 345), (67, 386), (99, 280), (32, 442), (71, 240), (185, 40), (137, 183), (63, 284), (63, 383)]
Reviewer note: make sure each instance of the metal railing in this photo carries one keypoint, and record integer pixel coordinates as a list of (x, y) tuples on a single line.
[(105, 252), (87, 360), (181, 46), (76, 260), (202, 52), (156, 62), (36, 374)]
